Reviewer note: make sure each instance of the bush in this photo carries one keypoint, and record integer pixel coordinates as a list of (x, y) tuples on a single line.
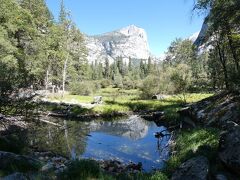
[(150, 87), (159, 176), (83, 88), (128, 83), (105, 83), (83, 169), (118, 81)]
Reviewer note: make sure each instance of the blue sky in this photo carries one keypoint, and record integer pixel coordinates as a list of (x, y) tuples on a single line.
[(163, 20)]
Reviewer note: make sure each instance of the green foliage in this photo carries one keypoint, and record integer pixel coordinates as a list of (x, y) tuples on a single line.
[(158, 176), (35, 50), (82, 88), (150, 86), (105, 83), (83, 169), (193, 143), (128, 83), (118, 82), (223, 22), (122, 100)]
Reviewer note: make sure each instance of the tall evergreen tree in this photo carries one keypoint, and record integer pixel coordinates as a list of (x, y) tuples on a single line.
[(107, 69), (130, 64)]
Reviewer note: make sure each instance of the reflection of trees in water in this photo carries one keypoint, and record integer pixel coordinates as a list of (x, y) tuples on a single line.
[(71, 138)]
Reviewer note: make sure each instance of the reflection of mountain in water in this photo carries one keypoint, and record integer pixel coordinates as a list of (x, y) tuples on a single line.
[(134, 127)]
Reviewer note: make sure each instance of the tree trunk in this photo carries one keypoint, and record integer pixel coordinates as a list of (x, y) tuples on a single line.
[(232, 48), (47, 80), (223, 62), (234, 53), (64, 75)]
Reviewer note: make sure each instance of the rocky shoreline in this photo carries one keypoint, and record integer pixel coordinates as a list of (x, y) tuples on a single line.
[(221, 111)]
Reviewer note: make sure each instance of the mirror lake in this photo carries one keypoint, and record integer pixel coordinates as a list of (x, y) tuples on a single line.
[(129, 139)]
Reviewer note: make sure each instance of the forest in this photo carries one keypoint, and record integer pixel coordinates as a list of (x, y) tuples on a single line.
[(48, 57)]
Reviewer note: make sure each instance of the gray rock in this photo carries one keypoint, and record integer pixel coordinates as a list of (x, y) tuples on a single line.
[(130, 41), (158, 114), (194, 169), (229, 149), (158, 97), (11, 161), (16, 176), (47, 167), (97, 100), (221, 177), (1, 116)]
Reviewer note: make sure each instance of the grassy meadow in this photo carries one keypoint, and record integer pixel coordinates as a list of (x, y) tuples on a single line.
[(121, 100)]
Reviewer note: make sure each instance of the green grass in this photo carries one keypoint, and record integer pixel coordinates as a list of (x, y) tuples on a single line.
[(118, 100), (193, 143)]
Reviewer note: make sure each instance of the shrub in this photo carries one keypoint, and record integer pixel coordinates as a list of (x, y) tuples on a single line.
[(105, 83), (128, 83), (150, 87), (82, 88), (118, 81), (159, 176), (83, 169)]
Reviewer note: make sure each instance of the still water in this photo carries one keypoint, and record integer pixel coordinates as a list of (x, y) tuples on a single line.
[(127, 140)]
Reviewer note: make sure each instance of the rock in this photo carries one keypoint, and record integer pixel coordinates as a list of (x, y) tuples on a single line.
[(2, 116), (196, 168), (97, 100), (47, 167), (221, 177), (157, 115), (186, 118), (229, 149), (116, 167), (186, 111), (158, 97), (130, 41), (11, 161), (16, 176), (229, 125)]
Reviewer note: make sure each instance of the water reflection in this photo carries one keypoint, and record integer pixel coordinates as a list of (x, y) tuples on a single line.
[(128, 139), (134, 127)]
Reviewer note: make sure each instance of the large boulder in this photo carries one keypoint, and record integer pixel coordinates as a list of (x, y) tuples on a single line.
[(196, 168), (12, 162), (218, 110), (229, 149)]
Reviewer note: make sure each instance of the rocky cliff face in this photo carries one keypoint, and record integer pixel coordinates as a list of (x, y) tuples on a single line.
[(201, 41), (130, 41)]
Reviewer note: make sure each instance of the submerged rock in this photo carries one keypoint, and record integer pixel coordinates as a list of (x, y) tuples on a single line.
[(229, 149), (196, 168)]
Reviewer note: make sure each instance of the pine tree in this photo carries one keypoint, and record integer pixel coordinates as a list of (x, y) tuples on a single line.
[(149, 66), (142, 69), (120, 65), (130, 64), (106, 69)]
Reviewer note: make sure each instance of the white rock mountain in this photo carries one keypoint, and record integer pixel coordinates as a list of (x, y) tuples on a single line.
[(130, 41)]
